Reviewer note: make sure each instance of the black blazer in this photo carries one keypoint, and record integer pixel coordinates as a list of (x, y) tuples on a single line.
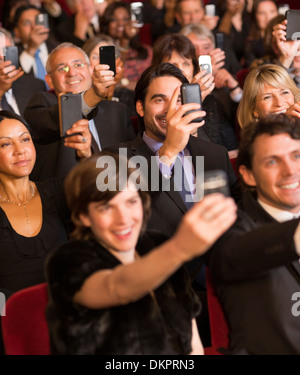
[(24, 88), (256, 270), (53, 158)]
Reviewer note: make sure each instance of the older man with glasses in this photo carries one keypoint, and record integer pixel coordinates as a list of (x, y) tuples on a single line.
[(69, 70)]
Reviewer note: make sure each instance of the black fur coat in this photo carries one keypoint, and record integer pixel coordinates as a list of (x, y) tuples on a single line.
[(141, 327)]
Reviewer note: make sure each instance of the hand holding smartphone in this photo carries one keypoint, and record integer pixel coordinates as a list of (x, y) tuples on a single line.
[(11, 53), (108, 56), (69, 106), (191, 93)]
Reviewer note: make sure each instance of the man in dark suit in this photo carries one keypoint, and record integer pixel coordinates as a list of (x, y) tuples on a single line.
[(34, 45), (69, 71), (256, 264), (16, 89), (168, 133)]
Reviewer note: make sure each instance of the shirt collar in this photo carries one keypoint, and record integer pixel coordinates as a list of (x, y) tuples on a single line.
[(278, 214), (152, 143)]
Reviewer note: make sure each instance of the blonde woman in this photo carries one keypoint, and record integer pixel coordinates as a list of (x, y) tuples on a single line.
[(268, 89)]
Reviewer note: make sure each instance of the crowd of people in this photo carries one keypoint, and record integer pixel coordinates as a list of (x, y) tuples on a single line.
[(113, 215)]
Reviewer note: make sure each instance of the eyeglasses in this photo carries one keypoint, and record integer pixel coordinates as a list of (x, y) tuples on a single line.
[(62, 69)]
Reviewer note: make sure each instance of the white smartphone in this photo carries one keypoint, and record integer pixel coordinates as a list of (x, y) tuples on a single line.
[(137, 14), (283, 8), (205, 63), (210, 9)]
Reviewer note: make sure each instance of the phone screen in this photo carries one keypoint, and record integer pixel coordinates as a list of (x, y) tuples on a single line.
[(108, 56)]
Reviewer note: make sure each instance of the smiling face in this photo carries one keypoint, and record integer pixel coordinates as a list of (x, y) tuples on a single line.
[(156, 105), (116, 224), (117, 25), (26, 23), (76, 79), (276, 171), (17, 152), (272, 100)]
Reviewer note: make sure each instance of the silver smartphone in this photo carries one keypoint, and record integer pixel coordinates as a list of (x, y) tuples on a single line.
[(137, 16)]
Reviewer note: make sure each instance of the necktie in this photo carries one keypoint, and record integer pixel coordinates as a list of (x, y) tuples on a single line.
[(181, 182), (41, 72), (4, 104), (93, 130)]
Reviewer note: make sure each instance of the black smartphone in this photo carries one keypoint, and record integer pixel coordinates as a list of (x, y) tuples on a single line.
[(11, 53), (108, 56), (216, 181), (293, 24), (42, 19), (191, 93), (220, 41), (137, 14), (69, 106)]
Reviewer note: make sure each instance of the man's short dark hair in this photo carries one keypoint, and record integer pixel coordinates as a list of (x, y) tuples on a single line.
[(20, 10), (156, 71), (271, 125)]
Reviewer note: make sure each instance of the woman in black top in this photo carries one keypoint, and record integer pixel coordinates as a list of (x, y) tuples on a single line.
[(115, 289), (33, 216)]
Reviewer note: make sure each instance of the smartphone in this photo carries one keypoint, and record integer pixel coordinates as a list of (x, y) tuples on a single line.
[(219, 37), (216, 181), (42, 19), (293, 24), (191, 93), (108, 56), (11, 53), (210, 9), (205, 63), (69, 107), (137, 13)]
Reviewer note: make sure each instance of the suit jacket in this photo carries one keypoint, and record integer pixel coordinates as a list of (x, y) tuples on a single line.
[(24, 88), (53, 158), (168, 206), (256, 271)]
